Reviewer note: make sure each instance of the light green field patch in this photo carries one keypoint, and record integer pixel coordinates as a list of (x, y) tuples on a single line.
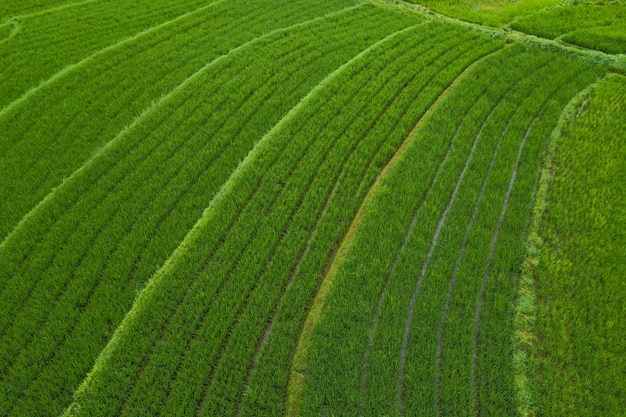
[(580, 279), (593, 26), (486, 12)]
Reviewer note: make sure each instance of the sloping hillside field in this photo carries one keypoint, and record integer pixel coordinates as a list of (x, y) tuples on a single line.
[(303, 208)]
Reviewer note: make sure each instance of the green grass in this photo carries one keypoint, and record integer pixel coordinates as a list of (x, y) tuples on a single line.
[(7, 29), (76, 33), (580, 286), (88, 119), (486, 12)]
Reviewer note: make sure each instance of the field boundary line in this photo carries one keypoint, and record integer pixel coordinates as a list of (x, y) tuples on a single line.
[(194, 232), (524, 337), (9, 107), (153, 107), (296, 379)]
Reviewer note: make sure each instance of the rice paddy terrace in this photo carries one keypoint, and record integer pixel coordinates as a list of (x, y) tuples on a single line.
[(302, 208)]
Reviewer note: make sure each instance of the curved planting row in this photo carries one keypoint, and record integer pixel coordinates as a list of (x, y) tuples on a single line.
[(213, 332), (89, 246), (87, 107), (419, 315)]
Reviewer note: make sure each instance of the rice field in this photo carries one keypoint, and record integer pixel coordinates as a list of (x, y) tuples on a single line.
[(294, 208)]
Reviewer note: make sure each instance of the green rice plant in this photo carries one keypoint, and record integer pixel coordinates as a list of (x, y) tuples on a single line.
[(381, 127), (282, 207), (87, 107), (17, 259), (228, 258), (284, 328), (242, 273), (579, 331), (383, 361), (126, 183)]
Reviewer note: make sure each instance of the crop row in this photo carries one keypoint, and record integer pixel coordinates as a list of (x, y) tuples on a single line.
[(87, 107), (89, 247), (428, 281), (203, 328)]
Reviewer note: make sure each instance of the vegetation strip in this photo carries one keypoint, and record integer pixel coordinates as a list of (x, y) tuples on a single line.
[(376, 317), (420, 279), (178, 90), (353, 19), (235, 178), (307, 247), (457, 266), (340, 395), (103, 150), (301, 355)]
